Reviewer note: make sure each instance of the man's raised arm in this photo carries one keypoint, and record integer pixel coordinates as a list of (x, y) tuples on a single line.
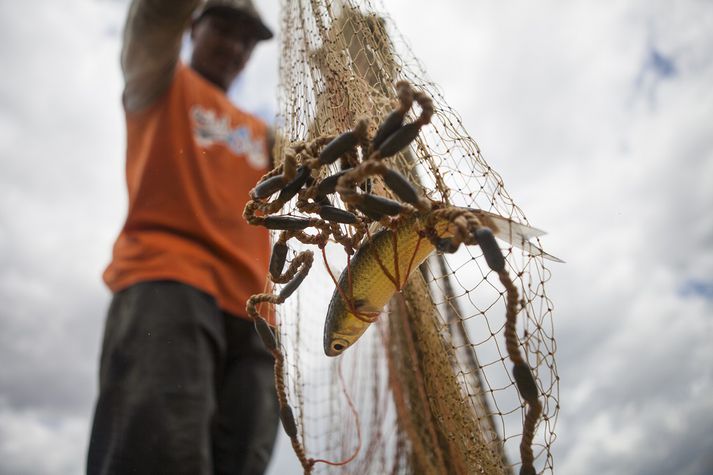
[(151, 47)]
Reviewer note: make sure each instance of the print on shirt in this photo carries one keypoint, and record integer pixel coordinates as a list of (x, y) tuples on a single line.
[(209, 128)]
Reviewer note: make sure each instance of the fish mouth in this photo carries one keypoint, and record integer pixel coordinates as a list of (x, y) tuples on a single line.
[(336, 347)]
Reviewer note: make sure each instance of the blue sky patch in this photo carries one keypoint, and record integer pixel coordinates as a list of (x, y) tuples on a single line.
[(697, 288)]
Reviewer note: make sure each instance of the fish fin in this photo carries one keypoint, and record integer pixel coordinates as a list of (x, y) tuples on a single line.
[(535, 250), (516, 234), (509, 230)]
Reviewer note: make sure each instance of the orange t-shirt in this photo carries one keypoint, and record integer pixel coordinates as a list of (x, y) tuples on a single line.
[(192, 158)]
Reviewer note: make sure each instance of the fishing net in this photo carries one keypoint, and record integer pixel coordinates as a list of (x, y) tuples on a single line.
[(429, 388)]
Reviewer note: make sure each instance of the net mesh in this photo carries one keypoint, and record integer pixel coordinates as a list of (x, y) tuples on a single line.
[(428, 388)]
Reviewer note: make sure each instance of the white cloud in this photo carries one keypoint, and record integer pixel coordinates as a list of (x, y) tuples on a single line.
[(41, 442)]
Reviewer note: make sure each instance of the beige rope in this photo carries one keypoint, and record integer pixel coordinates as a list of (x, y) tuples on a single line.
[(302, 263), (512, 345)]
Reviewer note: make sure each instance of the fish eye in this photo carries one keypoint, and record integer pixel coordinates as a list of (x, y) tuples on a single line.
[(338, 347)]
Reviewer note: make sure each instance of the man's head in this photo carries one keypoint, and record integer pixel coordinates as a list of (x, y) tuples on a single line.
[(224, 33)]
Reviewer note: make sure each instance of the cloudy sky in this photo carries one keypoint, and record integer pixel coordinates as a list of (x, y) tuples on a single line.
[(596, 114)]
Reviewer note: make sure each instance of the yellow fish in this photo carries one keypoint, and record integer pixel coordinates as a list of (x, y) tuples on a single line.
[(383, 264)]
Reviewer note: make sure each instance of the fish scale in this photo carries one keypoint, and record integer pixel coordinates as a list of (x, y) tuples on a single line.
[(371, 287)]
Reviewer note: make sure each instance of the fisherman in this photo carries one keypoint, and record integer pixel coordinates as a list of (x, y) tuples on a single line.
[(186, 385)]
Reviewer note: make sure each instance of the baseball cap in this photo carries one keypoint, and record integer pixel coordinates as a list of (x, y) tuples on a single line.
[(245, 7)]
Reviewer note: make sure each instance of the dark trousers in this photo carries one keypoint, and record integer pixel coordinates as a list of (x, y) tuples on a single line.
[(183, 388)]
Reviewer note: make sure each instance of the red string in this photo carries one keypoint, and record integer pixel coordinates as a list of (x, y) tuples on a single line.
[(348, 301), (329, 271), (356, 419), (413, 256), (383, 267), (395, 247)]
